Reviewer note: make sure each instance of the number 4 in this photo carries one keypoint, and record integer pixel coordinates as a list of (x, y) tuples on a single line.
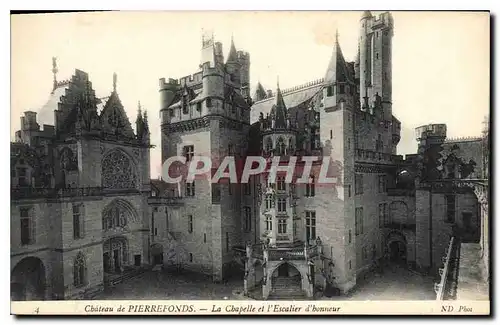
[(37, 310)]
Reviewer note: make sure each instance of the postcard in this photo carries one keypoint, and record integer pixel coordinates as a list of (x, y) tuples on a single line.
[(250, 162)]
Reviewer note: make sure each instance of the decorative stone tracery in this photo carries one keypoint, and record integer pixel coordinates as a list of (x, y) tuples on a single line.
[(118, 171)]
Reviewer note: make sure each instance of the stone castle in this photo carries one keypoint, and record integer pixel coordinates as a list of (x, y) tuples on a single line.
[(85, 179)]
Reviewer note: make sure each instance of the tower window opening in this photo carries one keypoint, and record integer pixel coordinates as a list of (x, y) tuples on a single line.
[(329, 91)]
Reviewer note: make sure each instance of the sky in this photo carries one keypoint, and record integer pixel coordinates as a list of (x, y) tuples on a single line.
[(440, 59)]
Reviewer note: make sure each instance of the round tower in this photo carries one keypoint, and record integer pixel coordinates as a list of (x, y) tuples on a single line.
[(213, 86), (167, 94)]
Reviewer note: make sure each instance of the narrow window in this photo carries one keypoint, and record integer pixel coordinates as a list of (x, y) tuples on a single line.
[(310, 225), (77, 222), (26, 226), (79, 270), (281, 183), (190, 189), (191, 257), (209, 102), (281, 205), (248, 219), (190, 224), (188, 152), (269, 223), (329, 91), (282, 226), (331, 134), (358, 183), (310, 188), (269, 201)]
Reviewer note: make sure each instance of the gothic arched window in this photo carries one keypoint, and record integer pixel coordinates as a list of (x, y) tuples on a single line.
[(269, 145), (68, 160), (118, 171), (281, 147), (79, 270), (114, 217)]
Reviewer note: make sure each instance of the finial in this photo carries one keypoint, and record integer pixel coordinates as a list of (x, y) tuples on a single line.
[(278, 82), (337, 35), (139, 107), (114, 81)]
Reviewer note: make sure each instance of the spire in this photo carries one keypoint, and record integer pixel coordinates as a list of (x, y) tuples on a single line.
[(279, 109), (114, 81), (260, 93), (336, 35), (139, 110), (337, 68), (232, 56), (54, 71)]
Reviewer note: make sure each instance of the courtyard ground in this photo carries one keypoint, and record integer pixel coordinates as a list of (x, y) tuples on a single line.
[(395, 283), (160, 285)]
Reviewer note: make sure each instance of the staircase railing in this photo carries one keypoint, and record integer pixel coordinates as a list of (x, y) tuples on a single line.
[(440, 287)]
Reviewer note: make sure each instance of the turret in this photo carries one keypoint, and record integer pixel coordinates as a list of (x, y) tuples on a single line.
[(244, 60), (167, 94), (339, 82), (375, 61), (213, 86), (28, 122), (260, 93), (208, 49), (278, 133)]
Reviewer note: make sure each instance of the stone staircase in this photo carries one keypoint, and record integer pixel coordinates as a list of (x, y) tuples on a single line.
[(284, 288), (114, 279)]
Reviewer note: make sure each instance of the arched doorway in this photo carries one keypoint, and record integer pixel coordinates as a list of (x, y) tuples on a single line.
[(115, 255), (28, 280), (396, 247), (157, 254), (286, 280)]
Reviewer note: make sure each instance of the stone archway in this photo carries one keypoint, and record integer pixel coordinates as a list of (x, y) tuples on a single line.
[(397, 248), (115, 255), (286, 280), (28, 280)]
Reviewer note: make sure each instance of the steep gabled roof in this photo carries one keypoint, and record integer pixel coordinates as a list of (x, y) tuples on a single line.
[(337, 68)]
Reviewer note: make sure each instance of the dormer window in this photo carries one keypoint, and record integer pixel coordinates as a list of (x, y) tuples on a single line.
[(198, 106)]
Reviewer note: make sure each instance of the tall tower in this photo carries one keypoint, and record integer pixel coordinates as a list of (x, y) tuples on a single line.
[(204, 114), (375, 61), (335, 210)]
